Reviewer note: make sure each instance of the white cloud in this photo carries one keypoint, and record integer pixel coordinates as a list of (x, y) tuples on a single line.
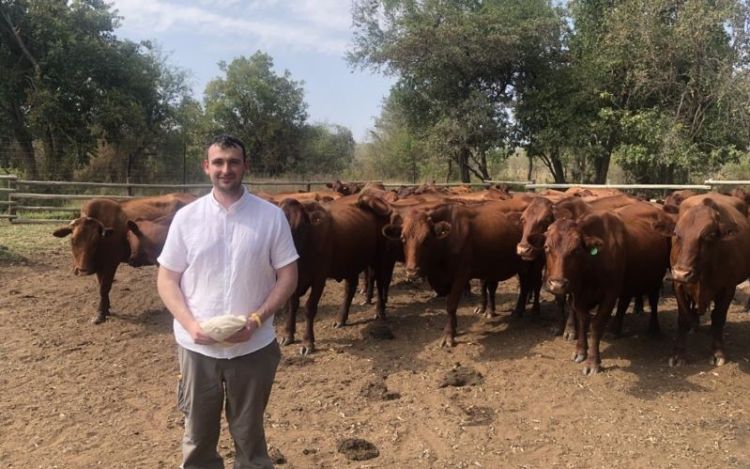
[(312, 25)]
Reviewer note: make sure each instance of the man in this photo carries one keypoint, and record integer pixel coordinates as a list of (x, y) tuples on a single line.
[(228, 252)]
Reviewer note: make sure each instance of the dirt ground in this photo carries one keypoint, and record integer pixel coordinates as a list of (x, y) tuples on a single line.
[(75, 395)]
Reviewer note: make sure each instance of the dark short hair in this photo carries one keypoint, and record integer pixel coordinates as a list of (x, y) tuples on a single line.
[(227, 141)]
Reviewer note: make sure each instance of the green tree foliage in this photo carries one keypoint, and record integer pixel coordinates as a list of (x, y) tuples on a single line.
[(71, 88), (265, 110), (458, 63), (325, 149)]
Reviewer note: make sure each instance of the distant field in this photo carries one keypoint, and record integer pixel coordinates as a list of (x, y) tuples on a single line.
[(18, 242)]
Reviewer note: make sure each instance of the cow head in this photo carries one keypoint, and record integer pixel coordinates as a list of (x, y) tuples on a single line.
[(697, 232), (87, 233), (302, 218), (344, 188), (419, 234), (146, 240), (535, 219), (571, 247)]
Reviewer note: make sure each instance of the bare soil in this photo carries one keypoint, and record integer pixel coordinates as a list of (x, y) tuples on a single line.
[(76, 395)]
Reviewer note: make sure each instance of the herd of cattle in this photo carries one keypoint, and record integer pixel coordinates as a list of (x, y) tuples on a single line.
[(593, 249)]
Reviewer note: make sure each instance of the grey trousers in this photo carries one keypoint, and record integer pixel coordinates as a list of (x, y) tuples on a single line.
[(242, 385)]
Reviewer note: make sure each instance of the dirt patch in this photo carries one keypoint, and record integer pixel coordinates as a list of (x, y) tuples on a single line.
[(75, 395), (377, 390), (461, 376), (357, 449)]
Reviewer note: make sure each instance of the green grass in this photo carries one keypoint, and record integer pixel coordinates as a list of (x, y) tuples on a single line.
[(19, 242)]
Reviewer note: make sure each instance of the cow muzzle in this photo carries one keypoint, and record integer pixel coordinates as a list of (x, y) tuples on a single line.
[(525, 251), (412, 274), (557, 286), (680, 274), (81, 271)]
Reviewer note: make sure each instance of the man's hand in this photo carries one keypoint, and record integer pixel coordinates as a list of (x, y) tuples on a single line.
[(243, 334), (198, 335)]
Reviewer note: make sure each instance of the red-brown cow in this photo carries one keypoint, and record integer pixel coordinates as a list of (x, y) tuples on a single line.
[(602, 257), (146, 240), (99, 237), (453, 243), (538, 216), (709, 258), (345, 188), (337, 241)]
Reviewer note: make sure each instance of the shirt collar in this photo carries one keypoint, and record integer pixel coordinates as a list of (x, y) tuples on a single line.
[(237, 205)]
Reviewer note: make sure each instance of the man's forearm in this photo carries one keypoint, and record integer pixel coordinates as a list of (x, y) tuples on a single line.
[(168, 286), (286, 284)]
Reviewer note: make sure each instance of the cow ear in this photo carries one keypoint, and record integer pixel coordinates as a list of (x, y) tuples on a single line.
[(316, 217), (133, 226), (727, 229), (329, 185), (441, 229), (515, 218), (664, 227), (62, 232), (392, 232), (673, 209), (561, 213), (376, 204), (593, 244), (107, 232)]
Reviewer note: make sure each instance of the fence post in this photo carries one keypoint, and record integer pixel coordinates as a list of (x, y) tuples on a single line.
[(13, 187)]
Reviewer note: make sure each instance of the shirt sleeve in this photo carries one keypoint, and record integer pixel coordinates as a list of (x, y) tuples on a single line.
[(174, 254), (283, 251)]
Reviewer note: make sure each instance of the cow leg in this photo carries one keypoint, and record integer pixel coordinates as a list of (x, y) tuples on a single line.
[(449, 332), (567, 319), (105, 279), (638, 304), (654, 330), (311, 310), (582, 323), (489, 289), (523, 280), (622, 305), (383, 276), (718, 319), (598, 324), (291, 319), (535, 286), (349, 289), (684, 324)]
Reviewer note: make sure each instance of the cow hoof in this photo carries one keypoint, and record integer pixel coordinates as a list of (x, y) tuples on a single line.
[(448, 342), (569, 335), (98, 319), (306, 350), (718, 361), (589, 370), (490, 315), (676, 361), (578, 357), (339, 324), (287, 341), (365, 302), (555, 331)]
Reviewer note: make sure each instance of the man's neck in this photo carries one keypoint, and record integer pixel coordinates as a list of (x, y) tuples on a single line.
[(227, 199)]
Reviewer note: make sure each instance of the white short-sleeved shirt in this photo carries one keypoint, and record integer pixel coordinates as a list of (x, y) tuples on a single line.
[(227, 258)]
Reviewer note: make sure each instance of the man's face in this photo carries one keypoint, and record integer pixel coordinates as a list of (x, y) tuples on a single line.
[(225, 167)]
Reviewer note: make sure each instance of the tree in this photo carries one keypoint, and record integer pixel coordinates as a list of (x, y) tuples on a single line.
[(327, 149), (265, 110), (457, 63)]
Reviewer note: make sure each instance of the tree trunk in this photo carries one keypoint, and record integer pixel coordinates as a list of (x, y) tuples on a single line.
[(601, 166), (464, 156), (531, 167), (28, 160), (558, 171), (483, 166)]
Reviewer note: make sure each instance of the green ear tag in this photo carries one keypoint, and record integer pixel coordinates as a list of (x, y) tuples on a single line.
[(594, 251)]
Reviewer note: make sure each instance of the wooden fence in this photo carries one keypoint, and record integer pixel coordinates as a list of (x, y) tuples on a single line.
[(21, 200)]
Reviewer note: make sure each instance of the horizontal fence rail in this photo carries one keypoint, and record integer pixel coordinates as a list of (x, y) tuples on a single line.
[(19, 206)]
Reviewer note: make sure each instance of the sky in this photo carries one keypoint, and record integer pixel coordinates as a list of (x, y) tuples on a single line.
[(309, 38)]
